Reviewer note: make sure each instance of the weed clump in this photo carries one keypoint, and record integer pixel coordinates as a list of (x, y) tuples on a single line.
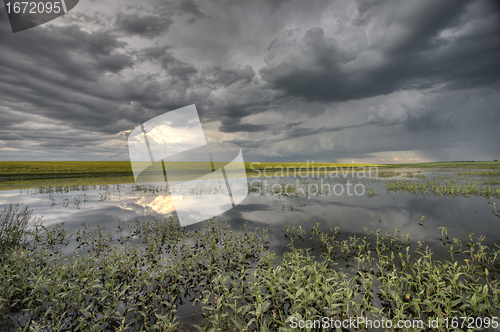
[(13, 225)]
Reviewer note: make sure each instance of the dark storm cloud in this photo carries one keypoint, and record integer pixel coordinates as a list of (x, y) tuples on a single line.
[(96, 18), (247, 127), (284, 133), (312, 70), (176, 67), (142, 88), (68, 50), (153, 53), (92, 75), (423, 24), (231, 113), (114, 63), (147, 26), (302, 132), (173, 66), (293, 156), (60, 103), (60, 73), (8, 117), (11, 137), (95, 44), (60, 145), (193, 9), (276, 4), (317, 69), (219, 77)]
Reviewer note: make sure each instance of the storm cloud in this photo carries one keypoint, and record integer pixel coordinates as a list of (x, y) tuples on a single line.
[(371, 81)]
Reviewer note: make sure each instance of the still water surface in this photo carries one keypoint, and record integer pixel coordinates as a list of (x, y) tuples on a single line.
[(415, 214)]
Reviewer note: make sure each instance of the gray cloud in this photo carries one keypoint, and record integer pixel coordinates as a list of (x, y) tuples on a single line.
[(234, 128), (147, 26), (312, 66), (174, 67), (193, 9), (219, 77), (153, 53), (282, 79), (79, 53), (11, 137), (285, 134)]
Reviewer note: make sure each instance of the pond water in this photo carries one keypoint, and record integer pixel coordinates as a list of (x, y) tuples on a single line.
[(355, 205), (341, 204)]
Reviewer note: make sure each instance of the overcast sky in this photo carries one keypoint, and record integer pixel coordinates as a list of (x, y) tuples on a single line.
[(333, 81)]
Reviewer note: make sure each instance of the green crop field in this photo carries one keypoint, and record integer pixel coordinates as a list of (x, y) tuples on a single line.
[(31, 169), (40, 168)]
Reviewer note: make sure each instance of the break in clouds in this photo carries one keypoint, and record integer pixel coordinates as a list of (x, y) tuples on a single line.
[(369, 81)]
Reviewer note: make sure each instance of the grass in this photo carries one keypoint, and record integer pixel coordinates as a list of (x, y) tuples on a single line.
[(136, 277), (452, 188), (62, 168), (480, 173), (452, 164), (13, 225), (39, 168), (98, 168)]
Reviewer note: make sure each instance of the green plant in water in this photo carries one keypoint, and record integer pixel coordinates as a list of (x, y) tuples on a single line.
[(13, 225), (137, 278)]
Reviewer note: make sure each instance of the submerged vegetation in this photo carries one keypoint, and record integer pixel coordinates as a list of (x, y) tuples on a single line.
[(452, 188), (480, 173), (138, 277)]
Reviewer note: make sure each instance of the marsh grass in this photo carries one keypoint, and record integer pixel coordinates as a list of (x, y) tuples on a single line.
[(387, 174), (13, 225), (480, 173), (450, 187), (137, 277)]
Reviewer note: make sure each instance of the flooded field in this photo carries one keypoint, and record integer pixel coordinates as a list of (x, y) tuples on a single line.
[(420, 208), (411, 202)]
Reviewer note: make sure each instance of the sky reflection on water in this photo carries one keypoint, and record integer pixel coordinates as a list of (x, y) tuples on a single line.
[(106, 205)]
